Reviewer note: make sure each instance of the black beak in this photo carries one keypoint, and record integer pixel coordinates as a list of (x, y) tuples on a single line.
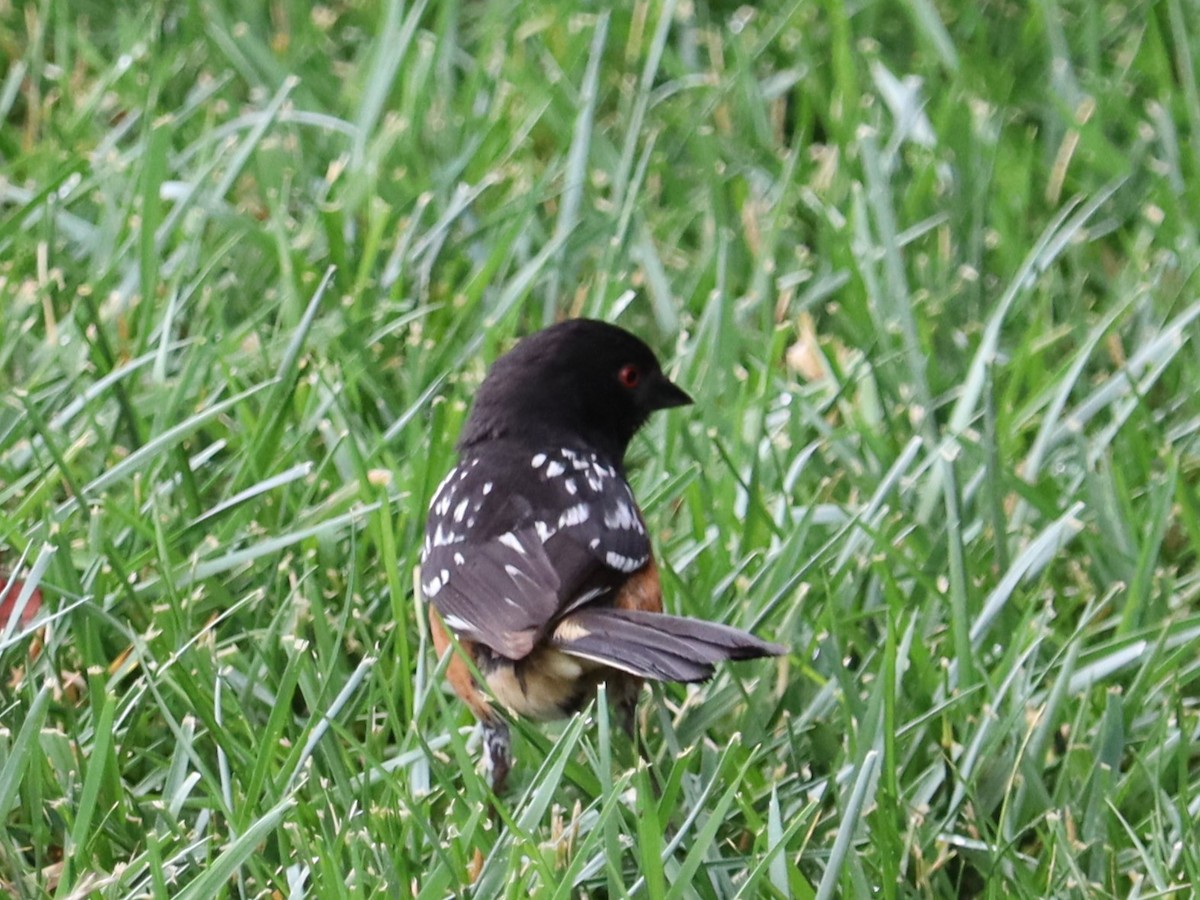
[(664, 394)]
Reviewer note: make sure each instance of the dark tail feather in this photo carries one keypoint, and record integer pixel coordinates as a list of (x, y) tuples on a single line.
[(656, 646)]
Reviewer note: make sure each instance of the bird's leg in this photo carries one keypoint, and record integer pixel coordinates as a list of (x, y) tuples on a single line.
[(626, 703), (497, 755), (625, 697), (625, 693), (497, 763), (497, 751)]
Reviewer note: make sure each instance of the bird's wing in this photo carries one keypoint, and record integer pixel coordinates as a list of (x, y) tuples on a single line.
[(517, 539)]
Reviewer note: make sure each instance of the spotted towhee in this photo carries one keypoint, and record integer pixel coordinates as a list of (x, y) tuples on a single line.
[(536, 555)]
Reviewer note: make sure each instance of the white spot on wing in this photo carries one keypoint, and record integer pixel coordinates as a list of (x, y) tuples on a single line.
[(442, 537), (432, 586), (554, 469), (487, 488), (569, 484), (508, 539), (622, 517), (543, 531), (445, 481), (574, 515), (586, 597), (455, 623), (623, 563), (461, 509), (537, 460), (459, 559)]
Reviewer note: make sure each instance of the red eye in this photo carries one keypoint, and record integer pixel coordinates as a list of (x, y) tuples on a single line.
[(629, 376)]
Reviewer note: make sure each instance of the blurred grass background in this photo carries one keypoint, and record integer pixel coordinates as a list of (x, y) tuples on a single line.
[(929, 269)]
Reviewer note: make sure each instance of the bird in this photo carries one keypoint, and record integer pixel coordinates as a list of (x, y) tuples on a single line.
[(536, 556)]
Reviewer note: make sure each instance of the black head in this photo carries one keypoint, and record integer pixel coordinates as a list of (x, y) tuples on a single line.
[(578, 379)]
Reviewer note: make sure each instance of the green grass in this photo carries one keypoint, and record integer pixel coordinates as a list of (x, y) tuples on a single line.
[(930, 270)]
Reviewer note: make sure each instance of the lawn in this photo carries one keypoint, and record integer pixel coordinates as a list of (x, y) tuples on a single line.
[(930, 271)]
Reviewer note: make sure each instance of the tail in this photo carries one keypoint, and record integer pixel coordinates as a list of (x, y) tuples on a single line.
[(656, 646)]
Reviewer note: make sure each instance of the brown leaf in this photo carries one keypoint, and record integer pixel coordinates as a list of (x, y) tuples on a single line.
[(10, 590), (804, 356)]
